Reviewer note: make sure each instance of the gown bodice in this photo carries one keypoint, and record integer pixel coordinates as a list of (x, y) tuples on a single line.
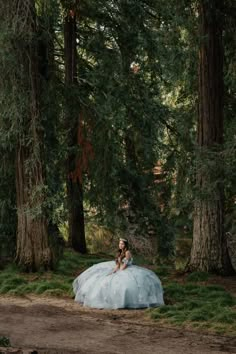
[(127, 261)]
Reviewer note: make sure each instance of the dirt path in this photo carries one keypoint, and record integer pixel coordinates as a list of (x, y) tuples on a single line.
[(56, 326)]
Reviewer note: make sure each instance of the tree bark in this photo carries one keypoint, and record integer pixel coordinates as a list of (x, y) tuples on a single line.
[(32, 251), (209, 249), (74, 185)]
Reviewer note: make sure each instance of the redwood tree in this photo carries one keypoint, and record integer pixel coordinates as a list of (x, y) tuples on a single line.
[(209, 249), (74, 184), (32, 249)]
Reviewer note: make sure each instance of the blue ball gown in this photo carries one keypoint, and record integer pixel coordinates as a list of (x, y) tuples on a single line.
[(134, 287)]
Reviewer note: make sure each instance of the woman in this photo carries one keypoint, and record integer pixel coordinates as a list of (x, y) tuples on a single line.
[(119, 284)]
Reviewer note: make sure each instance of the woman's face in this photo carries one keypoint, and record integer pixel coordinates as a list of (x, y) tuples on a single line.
[(121, 245)]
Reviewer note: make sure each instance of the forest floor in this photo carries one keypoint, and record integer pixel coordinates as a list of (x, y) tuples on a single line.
[(39, 324)]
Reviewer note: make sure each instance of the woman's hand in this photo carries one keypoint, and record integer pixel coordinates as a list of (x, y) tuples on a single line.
[(114, 270)]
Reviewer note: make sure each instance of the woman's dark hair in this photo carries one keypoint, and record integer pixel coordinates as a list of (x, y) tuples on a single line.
[(121, 253)]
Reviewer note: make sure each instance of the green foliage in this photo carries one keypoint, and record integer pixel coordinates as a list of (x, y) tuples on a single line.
[(73, 261), (197, 306), (163, 271), (100, 239), (4, 342), (197, 276), (126, 111), (17, 127), (189, 304), (230, 124), (133, 120), (57, 283)]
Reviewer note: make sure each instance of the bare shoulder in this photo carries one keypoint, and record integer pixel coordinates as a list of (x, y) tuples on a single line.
[(128, 254)]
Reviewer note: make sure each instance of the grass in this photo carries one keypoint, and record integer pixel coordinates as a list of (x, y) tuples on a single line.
[(163, 271), (56, 283), (197, 276), (193, 305)]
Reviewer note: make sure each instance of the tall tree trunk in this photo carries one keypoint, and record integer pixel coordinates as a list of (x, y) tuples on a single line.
[(209, 250), (32, 249), (131, 157), (74, 185)]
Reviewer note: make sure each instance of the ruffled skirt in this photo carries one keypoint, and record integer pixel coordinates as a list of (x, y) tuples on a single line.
[(133, 287)]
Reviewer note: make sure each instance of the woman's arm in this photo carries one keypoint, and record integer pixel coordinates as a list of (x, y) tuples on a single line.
[(128, 257), (116, 268)]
